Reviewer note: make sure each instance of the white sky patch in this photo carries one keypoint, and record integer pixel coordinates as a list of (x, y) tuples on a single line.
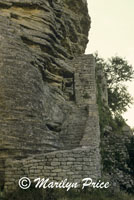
[(112, 33)]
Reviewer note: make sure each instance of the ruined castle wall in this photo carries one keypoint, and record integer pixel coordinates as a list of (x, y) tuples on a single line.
[(57, 166), (81, 127)]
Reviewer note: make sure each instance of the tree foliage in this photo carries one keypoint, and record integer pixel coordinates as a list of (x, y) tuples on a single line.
[(117, 72)]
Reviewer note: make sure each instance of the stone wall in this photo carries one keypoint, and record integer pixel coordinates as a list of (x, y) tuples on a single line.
[(57, 166), (81, 127)]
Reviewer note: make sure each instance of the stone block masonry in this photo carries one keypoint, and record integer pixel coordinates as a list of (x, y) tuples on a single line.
[(85, 84), (82, 125), (85, 91), (57, 166)]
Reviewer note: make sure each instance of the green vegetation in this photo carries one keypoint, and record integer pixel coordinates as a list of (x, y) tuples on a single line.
[(56, 194), (130, 162), (117, 71)]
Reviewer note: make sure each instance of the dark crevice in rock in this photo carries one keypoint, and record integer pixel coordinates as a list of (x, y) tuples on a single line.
[(54, 127), (26, 5), (50, 3), (24, 26), (44, 48), (13, 15), (27, 41), (57, 34), (5, 5), (61, 51)]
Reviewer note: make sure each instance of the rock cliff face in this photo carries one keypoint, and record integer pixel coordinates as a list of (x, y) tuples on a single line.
[(36, 39), (49, 120), (47, 91)]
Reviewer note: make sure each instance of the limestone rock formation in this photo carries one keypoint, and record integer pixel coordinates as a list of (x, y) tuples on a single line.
[(47, 98), (34, 39)]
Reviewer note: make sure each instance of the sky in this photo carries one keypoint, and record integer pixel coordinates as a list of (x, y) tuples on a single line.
[(112, 33)]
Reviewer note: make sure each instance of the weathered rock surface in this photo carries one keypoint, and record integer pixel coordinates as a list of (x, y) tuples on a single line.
[(33, 52), (43, 104)]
